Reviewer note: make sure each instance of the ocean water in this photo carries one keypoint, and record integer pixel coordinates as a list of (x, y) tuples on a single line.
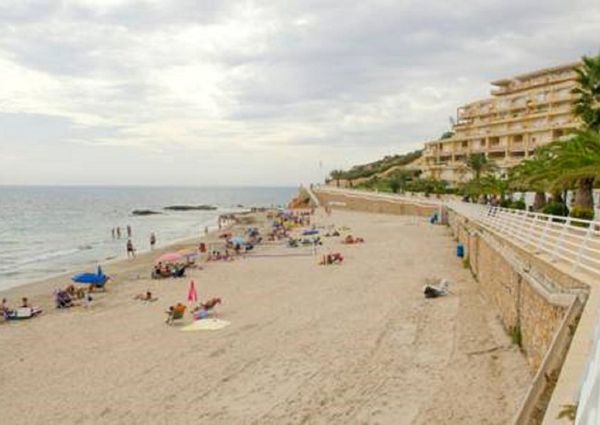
[(46, 231)]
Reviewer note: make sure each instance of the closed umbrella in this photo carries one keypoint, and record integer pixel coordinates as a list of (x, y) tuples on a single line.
[(192, 295)]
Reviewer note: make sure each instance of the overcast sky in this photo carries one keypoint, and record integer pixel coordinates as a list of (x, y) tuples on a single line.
[(192, 92)]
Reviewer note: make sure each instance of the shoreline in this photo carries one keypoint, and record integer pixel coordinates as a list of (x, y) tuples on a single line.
[(40, 291)]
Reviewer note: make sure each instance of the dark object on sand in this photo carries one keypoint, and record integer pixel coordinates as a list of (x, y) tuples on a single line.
[(190, 208), (144, 212), (435, 291)]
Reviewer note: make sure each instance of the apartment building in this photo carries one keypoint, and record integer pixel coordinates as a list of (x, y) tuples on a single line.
[(524, 112)]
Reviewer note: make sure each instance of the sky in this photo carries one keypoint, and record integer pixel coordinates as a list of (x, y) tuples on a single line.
[(193, 92)]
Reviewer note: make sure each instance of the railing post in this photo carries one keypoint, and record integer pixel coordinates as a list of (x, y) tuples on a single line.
[(534, 229), (543, 237), (580, 251), (561, 237)]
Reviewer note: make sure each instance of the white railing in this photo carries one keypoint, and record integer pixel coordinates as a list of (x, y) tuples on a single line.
[(588, 409), (574, 241)]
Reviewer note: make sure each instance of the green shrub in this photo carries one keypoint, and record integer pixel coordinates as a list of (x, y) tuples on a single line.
[(516, 336), (466, 262), (582, 213), (556, 208), (518, 204)]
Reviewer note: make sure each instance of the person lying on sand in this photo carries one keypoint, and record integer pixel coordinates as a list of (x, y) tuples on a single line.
[(147, 296), (202, 310), (350, 240), (335, 258)]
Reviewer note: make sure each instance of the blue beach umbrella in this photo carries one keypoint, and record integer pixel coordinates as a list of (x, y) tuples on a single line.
[(90, 278)]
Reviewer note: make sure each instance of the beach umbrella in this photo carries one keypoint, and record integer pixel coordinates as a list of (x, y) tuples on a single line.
[(90, 278), (170, 257), (192, 295)]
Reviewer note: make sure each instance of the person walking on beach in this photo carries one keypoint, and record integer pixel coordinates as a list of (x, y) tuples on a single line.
[(128, 231), (113, 232), (118, 232), (152, 240), (130, 249)]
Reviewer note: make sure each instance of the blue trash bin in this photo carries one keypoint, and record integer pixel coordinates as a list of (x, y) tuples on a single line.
[(460, 250)]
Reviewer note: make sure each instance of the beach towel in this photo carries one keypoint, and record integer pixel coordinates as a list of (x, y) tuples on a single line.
[(206, 325)]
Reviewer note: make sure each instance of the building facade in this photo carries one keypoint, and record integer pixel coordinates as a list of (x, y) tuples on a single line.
[(525, 112)]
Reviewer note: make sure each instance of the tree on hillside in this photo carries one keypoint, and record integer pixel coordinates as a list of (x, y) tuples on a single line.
[(587, 106), (336, 175)]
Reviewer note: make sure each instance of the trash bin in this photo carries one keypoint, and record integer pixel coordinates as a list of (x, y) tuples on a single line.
[(460, 250)]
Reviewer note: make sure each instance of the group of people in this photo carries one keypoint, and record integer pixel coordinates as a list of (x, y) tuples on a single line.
[(65, 298), (116, 232), (215, 255), (333, 258), (168, 270), (201, 311), (25, 311), (350, 240)]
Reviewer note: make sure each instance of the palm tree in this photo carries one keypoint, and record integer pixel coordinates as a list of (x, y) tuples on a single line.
[(587, 106), (479, 164), (537, 175), (577, 162), (492, 185)]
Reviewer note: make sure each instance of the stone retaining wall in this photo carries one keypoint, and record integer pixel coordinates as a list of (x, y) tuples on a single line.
[(384, 206), (531, 296)]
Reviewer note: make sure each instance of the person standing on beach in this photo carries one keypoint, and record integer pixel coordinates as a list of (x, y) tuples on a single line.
[(130, 249), (152, 240), (113, 232), (128, 231), (118, 232)]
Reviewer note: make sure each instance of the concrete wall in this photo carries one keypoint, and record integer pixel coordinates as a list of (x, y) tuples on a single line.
[(384, 206)]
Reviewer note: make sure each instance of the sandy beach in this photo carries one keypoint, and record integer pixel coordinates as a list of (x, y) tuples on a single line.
[(350, 344)]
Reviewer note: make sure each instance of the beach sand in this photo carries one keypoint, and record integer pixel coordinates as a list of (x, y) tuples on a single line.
[(307, 344)]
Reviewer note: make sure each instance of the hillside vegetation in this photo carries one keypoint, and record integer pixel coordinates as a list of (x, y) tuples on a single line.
[(381, 166)]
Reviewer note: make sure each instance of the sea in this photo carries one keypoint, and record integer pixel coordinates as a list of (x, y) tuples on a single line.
[(46, 231)]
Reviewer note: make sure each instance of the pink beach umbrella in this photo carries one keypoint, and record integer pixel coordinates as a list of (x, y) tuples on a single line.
[(192, 295), (170, 257)]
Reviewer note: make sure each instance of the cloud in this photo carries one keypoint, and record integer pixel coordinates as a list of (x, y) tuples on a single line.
[(256, 84)]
